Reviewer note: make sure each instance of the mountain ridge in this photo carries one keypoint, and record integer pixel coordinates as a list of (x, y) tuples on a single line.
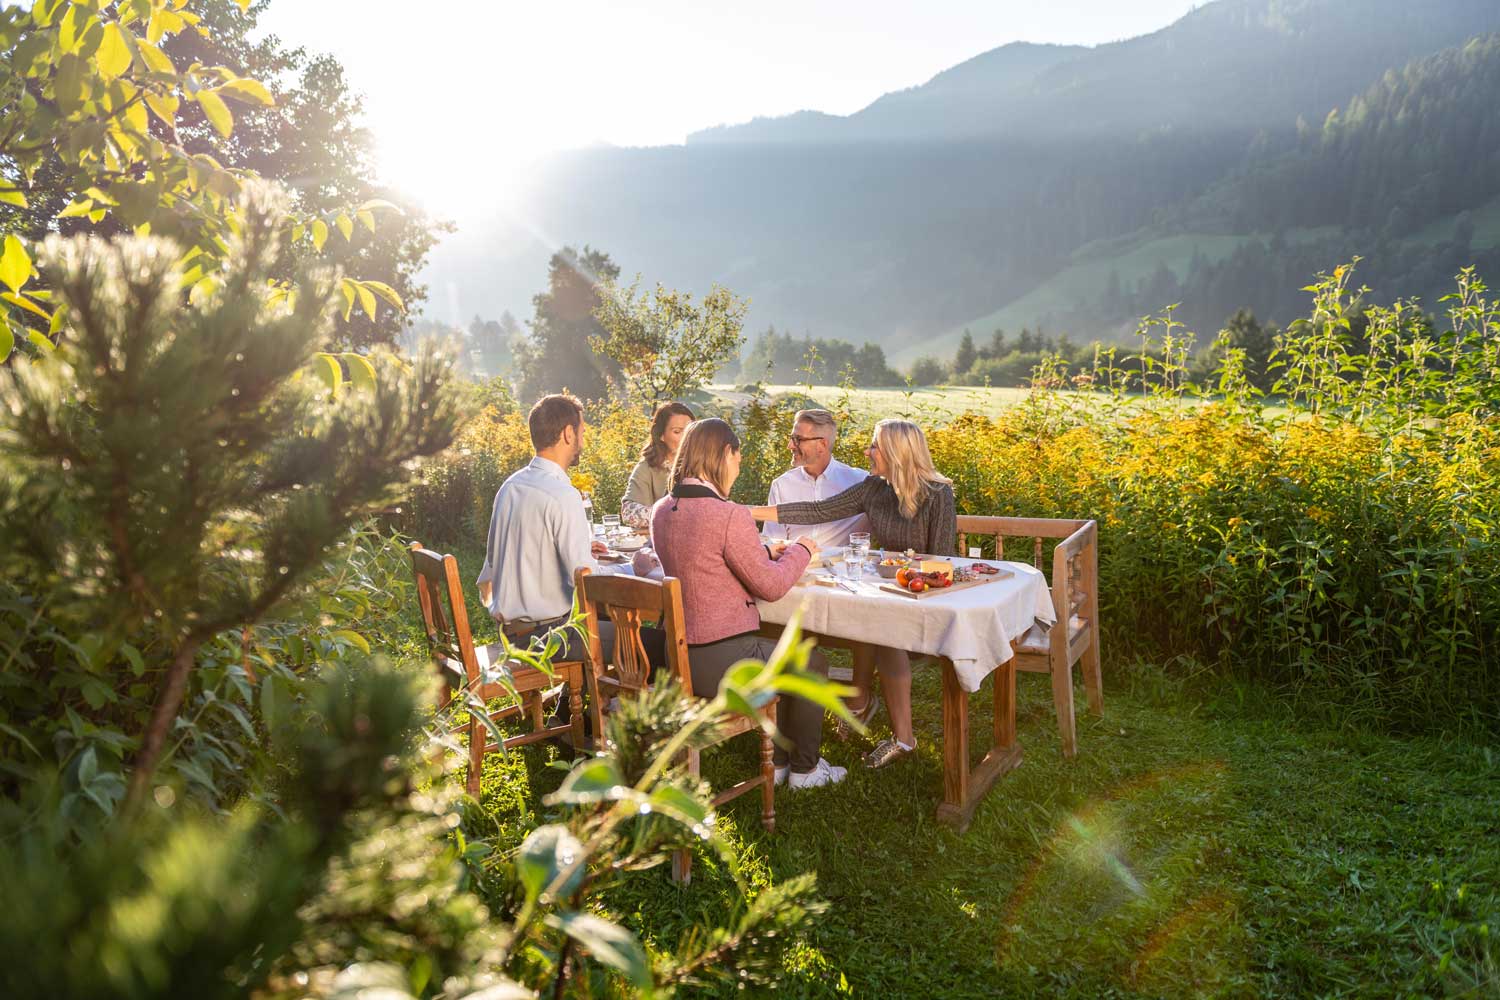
[(915, 227)]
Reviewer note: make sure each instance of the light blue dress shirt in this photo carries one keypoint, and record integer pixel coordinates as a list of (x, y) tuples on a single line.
[(538, 536)]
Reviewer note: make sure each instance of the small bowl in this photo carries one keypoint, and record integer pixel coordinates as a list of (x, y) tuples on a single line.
[(889, 572)]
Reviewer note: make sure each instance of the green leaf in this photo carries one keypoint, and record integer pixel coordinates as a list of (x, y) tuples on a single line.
[(113, 57), (361, 372), (544, 855), (7, 340), (679, 805), (133, 657), (367, 219), (12, 196), (217, 111), (27, 304), (610, 944), (248, 91), (327, 367), (345, 225), (22, 302), (155, 59), (366, 300), (353, 638), (15, 264), (81, 207), (817, 690), (386, 292), (375, 204), (593, 780), (319, 233), (39, 340)]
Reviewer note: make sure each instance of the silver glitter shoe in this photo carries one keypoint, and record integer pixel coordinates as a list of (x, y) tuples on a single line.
[(887, 752)]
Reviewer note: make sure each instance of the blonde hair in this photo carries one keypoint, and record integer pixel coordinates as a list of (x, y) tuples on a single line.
[(700, 454), (909, 467)]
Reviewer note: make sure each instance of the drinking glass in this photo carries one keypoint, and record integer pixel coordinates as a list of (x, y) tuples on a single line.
[(854, 563), (859, 542), (611, 524)]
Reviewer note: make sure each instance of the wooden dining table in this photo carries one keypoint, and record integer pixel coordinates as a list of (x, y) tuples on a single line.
[(969, 632)]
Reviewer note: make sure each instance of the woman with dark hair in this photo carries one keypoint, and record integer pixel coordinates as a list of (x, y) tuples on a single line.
[(650, 479), (711, 545)]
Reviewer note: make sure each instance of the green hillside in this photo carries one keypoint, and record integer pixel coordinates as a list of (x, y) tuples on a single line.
[(1083, 281)]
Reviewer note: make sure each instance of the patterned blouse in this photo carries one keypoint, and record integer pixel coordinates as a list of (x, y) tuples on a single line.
[(933, 530), (648, 484)]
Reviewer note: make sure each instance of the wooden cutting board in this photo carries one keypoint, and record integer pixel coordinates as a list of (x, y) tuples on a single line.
[(891, 588)]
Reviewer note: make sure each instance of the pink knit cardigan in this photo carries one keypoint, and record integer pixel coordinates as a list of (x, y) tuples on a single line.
[(711, 545)]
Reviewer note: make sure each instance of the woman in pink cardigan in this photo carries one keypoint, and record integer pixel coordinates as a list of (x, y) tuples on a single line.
[(712, 546)]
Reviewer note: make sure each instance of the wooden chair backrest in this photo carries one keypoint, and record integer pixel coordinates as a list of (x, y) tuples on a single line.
[(1075, 558), (630, 602), (1001, 528), (445, 619)]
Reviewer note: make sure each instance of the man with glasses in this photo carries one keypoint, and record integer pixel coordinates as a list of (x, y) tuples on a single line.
[(815, 475)]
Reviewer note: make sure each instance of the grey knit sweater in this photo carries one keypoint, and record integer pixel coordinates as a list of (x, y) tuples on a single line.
[(932, 531)]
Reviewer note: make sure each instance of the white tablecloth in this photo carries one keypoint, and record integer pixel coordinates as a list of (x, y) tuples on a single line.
[(973, 627)]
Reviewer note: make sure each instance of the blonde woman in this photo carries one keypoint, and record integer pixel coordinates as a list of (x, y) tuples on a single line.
[(910, 506)]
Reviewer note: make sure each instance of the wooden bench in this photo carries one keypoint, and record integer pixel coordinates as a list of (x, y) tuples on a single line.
[(1075, 599)]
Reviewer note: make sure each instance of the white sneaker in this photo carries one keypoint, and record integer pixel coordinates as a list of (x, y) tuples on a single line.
[(781, 773), (824, 774)]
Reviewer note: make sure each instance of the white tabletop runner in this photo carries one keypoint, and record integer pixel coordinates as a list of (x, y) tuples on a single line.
[(973, 627)]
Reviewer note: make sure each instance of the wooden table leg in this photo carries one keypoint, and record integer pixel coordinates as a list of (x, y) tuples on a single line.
[(962, 788), (954, 809)]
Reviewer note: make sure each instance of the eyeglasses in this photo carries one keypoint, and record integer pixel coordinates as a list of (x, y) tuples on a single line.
[(802, 440)]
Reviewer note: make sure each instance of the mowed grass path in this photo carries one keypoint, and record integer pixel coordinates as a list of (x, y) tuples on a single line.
[(1197, 846)]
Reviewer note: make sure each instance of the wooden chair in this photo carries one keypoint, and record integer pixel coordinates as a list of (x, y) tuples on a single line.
[(630, 602), (460, 662), (1075, 599)]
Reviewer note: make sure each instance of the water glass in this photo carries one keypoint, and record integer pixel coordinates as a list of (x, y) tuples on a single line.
[(611, 524), (854, 563), (859, 542)]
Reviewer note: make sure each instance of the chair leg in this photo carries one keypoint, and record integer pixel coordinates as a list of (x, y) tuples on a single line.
[(575, 707), (479, 737), (1062, 698), (1093, 678), (596, 705), (682, 860), (768, 775), (537, 708)]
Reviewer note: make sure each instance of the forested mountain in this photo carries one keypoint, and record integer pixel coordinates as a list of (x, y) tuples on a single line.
[(1221, 161)]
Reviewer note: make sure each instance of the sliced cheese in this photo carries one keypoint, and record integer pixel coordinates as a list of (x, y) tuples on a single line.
[(937, 566)]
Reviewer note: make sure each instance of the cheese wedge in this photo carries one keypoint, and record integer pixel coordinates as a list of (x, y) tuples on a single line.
[(937, 566)]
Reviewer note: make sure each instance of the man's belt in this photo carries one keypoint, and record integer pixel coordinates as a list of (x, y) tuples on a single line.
[(521, 629)]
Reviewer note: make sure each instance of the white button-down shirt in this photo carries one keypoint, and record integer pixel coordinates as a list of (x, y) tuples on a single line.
[(795, 485), (539, 534)]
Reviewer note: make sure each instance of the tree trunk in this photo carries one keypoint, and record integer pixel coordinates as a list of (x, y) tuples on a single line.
[(163, 714)]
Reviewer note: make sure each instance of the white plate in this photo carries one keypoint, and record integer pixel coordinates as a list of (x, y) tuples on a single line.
[(628, 544)]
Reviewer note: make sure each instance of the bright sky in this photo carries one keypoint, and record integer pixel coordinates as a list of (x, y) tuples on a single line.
[(461, 95)]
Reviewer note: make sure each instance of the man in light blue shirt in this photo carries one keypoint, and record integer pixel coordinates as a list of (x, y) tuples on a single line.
[(539, 533)]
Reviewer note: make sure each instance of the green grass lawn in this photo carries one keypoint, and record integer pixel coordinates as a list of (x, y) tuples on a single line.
[(1204, 842), (1197, 845)]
